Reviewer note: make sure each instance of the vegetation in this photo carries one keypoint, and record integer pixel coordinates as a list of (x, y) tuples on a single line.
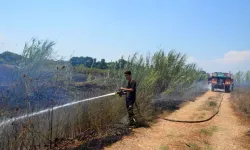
[(209, 131), (241, 93), (212, 104), (164, 148), (242, 78), (94, 71), (90, 62), (43, 79), (10, 58)]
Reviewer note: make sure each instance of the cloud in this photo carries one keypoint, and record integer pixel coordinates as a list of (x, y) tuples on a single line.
[(231, 61), (235, 57)]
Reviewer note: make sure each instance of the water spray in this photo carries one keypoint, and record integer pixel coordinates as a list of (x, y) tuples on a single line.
[(56, 107)]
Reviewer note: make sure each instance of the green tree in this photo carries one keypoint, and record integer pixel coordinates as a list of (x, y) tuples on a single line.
[(103, 64)]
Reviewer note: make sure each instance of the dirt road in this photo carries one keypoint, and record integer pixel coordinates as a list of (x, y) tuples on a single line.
[(223, 132)]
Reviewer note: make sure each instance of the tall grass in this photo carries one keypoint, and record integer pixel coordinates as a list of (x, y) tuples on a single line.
[(161, 73), (39, 86), (241, 93), (93, 71), (242, 78)]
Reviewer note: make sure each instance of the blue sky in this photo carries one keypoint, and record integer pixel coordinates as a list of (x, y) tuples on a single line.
[(214, 34)]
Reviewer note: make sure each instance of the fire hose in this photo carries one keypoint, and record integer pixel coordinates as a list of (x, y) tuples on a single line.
[(198, 121), (121, 92)]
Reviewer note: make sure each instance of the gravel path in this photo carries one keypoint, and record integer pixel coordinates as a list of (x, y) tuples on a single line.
[(224, 131)]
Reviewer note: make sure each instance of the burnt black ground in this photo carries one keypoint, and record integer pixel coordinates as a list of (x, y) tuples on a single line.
[(100, 143)]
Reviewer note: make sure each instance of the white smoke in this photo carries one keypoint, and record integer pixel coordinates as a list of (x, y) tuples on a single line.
[(209, 86)]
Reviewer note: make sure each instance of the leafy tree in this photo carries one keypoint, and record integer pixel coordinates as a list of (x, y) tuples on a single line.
[(103, 64), (90, 62)]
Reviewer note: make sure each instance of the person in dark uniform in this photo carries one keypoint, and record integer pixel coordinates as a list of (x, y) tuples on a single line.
[(130, 96)]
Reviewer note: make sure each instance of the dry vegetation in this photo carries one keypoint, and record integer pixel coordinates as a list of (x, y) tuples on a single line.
[(92, 120), (242, 99), (241, 94)]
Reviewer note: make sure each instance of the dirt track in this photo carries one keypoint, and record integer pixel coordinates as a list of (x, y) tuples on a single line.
[(224, 131)]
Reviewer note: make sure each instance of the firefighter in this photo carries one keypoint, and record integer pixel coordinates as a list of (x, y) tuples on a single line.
[(130, 96)]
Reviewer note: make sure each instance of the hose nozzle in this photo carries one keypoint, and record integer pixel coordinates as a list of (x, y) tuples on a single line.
[(121, 92)]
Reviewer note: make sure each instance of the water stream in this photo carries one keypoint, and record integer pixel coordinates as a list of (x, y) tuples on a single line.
[(8, 121)]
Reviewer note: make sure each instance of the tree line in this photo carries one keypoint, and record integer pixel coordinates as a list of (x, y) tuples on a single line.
[(90, 62)]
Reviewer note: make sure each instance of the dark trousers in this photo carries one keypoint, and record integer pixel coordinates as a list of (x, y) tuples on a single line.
[(129, 105)]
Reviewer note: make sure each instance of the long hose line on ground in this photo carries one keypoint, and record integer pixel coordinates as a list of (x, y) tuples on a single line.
[(197, 121)]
